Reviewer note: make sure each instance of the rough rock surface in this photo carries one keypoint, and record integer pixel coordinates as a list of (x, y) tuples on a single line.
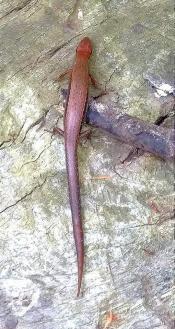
[(127, 208)]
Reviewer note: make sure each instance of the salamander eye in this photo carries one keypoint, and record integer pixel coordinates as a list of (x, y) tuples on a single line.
[(85, 47)]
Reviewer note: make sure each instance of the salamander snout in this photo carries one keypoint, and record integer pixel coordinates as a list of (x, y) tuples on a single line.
[(85, 47)]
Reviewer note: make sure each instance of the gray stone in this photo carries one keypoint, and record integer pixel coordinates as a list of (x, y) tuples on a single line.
[(127, 208)]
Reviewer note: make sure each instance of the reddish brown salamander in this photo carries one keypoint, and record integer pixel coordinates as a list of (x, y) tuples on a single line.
[(74, 114)]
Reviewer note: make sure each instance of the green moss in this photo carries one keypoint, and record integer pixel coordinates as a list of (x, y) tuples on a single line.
[(9, 125)]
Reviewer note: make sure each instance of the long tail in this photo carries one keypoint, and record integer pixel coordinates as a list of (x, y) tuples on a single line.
[(74, 197), (80, 258)]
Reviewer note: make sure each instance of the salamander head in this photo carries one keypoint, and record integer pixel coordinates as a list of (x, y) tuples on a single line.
[(85, 47)]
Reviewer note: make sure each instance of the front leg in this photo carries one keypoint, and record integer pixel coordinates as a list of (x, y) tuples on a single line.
[(97, 86), (66, 74)]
